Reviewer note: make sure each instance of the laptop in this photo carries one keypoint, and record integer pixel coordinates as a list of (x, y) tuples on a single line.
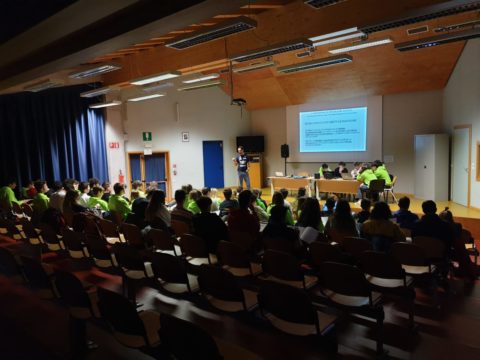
[(346, 176), (316, 175), (328, 175)]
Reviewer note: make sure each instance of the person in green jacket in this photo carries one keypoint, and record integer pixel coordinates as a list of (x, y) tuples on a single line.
[(277, 200), (322, 169), (192, 202), (7, 196), (41, 202), (365, 176), (95, 201), (117, 203), (381, 172)]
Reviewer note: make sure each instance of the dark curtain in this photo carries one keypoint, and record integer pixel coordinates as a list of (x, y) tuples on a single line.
[(135, 167), (155, 169), (52, 135)]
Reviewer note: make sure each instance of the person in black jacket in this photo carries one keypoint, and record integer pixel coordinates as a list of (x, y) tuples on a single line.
[(209, 226)]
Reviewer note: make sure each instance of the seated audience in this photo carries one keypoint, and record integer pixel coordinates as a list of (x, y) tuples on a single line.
[(137, 186), (340, 169), (84, 189), (228, 204), (356, 169), (278, 200), (58, 196), (156, 209), (330, 205), (364, 214), (92, 182), (134, 195), (117, 203), (192, 206), (341, 223), (259, 210), (284, 193), (107, 190), (152, 185), (380, 230), (298, 202), (244, 219), (206, 191), (322, 169), (139, 207), (365, 176), (381, 172), (95, 201), (179, 213), (209, 226), (404, 217), (310, 215), (7, 196), (215, 199), (72, 206), (260, 202), (28, 190), (41, 201)]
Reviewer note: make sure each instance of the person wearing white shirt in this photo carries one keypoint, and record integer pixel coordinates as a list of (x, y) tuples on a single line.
[(84, 189), (356, 169), (56, 199)]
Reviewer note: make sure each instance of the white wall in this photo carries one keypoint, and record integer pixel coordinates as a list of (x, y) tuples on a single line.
[(461, 104), (206, 114)]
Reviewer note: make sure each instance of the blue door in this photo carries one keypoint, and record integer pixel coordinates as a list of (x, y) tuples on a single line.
[(213, 164)]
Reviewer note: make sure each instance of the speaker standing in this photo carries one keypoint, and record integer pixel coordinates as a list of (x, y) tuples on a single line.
[(242, 162)]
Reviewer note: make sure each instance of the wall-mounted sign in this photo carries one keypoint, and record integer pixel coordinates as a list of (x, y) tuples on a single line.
[(114, 145), (185, 136), (147, 136)]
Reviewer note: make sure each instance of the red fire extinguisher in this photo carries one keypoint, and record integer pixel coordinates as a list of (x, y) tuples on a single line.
[(121, 178)]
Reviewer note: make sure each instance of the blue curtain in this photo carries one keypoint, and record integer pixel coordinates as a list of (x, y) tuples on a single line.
[(52, 135), (135, 167), (155, 169)]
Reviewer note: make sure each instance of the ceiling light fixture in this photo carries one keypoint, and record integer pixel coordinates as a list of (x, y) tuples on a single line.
[(94, 70), (42, 85), (205, 84), (155, 78), (315, 64), (157, 87), (338, 39), (334, 34), (146, 97), (359, 45), (201, 78), (226, 28), (318, 4), (273, 50), (98, 92), (254, 67), (438, 40), (105, 104)]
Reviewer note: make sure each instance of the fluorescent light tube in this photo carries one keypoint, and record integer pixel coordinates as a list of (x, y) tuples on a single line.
[(255, 66), (105, 104), (201, 85), (334, 34), (155, 78), (337, 39), (157, 87), (201, 78), (146, 97), (359, 45), (42, 85), (94, 70), (98, 92)]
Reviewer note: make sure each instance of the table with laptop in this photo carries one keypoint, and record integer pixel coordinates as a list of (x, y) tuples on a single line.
[(290, 182)]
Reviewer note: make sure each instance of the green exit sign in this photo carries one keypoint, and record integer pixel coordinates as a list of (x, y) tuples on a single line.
[(147, 136)]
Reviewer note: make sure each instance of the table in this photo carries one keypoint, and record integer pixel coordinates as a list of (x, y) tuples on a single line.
[(337, 186), (279, 182)]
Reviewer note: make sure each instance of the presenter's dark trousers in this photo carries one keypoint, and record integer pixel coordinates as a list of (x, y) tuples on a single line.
[(243, 176)]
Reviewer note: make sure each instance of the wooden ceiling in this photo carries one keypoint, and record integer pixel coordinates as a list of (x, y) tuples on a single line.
[(374, 71)]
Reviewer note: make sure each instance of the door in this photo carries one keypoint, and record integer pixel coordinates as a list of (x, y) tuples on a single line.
[(155, 170), (460, 186), (424, 166), (213, 164), (147, 168)]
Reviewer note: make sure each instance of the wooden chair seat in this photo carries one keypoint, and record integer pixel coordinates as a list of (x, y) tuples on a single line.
[(250, 297), (324, 320)]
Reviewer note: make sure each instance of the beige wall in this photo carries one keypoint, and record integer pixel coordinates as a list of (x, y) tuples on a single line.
[(461, 104)]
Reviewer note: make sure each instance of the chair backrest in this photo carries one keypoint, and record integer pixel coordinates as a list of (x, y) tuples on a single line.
[(29, 229), (27, 210), (381, 265), (321, 252), (72, 240), (243, 239), (48, 234), (186, 340), (35, 273), (128, 257), (12, 230), (116, 217), (282, 265), (233, 255), (71, 289), (108, 228), (377, 185), (193, 246), (17, 209), (169, 268), (287, 303), (132, 234), (219, 283), (8, 265), (179, 227), (160, 239), (408, 254), (278, 244), (121, 315), (467, 237), (355, 246), (406, 232), (344, 279), (394, 180), (434, 248)]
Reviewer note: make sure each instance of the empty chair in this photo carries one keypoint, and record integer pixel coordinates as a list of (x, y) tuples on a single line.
[(74, 244), (9, 266), (162, 241), (243, 239), (37, 278), (355, 246), (374, 188), (290, 310), (279, 244), (132, 262), (321, 252), (187, 341), (98, 249), (234, 259), (179, 227), (8, 228), (133, 329), (413, 258), (132, 234), (51, 239), (31, 233), (195, 250), (434, 248), (285, 268), (389, 190), (470, 245), (172, 274), (221, 290), (110, 230)]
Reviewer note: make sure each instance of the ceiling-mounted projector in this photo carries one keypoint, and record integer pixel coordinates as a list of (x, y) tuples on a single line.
[(238, 102)]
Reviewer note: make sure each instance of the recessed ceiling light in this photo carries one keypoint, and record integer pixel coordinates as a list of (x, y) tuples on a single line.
[(146, 97), (154, 78), (334, 34), (94, 70), (201, 78), (98, 92), (105, 104), (359, 45), (338, 39)]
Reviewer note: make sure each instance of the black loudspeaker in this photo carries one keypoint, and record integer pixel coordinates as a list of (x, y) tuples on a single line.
[(285, 151)]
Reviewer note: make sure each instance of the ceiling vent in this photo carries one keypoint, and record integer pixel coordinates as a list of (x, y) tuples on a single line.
[(318, 4), (273, 50), (315, 64), (43, 85), (457, 26), (417, 30), (218, 31), (94, 70), (425, 14), (438, 40)]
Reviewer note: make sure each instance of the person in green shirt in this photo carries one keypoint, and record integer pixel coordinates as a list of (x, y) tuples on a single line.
[(365, 176), (7, 196), (192, 202), (41, 202), (95, 201), (137, 186), (277, 200), (322, 169), (381, 172), (117, 203)]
